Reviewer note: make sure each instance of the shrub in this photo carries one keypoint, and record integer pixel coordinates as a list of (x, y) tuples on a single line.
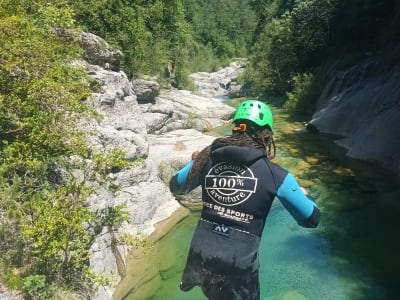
[(36, 288), (307, 88)]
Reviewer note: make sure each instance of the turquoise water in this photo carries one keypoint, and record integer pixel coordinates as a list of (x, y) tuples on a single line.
[(352, 255)]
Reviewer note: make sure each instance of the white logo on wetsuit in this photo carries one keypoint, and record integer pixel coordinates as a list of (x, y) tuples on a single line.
[(230, 184), (221, 229)]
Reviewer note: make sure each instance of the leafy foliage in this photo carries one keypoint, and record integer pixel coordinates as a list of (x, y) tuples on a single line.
[(150, 33), (363, 26), (294, 37), (40, 97), (36, 287), (46, 228), (185, 34), (226, 26), (307, 88), (59, 234)]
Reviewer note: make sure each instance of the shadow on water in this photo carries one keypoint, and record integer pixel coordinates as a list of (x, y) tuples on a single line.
[(352, 255)]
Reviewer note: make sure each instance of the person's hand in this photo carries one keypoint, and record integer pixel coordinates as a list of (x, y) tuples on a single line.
[(195, 154), (307, 194), (304, 190)]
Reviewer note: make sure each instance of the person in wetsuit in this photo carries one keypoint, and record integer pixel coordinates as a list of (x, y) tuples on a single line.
[(239, 183)]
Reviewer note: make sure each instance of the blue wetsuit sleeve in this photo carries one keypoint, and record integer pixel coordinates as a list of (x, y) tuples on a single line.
[(302, 207), (178, 182)]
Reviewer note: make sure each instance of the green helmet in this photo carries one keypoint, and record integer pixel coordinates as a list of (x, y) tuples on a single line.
[(254, 111)]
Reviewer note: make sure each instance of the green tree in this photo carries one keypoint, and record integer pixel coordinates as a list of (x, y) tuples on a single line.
[(359, 27), (41, 96), (147, 32), (59, 234), (226, 26), (291, 42), (274, 58)]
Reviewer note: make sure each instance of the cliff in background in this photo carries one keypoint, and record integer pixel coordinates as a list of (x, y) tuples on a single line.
[(361, 104)]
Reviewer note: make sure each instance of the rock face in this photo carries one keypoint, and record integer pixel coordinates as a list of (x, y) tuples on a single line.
[(148, 199), (362, 104), (145, 89), (9, 295), (222, 83), (177, 109), (159, 129), (99, 52), (155, 129)]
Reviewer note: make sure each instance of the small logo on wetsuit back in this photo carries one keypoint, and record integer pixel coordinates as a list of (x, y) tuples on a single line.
[(230, 184), (221, 229)]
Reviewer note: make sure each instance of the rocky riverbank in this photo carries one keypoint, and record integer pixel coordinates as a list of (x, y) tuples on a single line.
[(160, 129)]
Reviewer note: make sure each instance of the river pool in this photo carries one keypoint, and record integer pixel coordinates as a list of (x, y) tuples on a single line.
[(352, 255)]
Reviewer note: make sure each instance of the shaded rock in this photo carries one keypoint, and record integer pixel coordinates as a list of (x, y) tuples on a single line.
[(235, 91), (145, 90), (99, 52), (362, 104)]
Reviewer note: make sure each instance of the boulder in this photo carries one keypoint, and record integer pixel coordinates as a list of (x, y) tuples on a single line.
[(180, 109), (98, 52), (145, 90), (219, 84)]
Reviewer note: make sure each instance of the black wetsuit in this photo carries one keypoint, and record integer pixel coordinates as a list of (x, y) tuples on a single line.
[(239, 185)]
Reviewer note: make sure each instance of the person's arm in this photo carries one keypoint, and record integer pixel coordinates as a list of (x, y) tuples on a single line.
[(298, 202), (178, 182)]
